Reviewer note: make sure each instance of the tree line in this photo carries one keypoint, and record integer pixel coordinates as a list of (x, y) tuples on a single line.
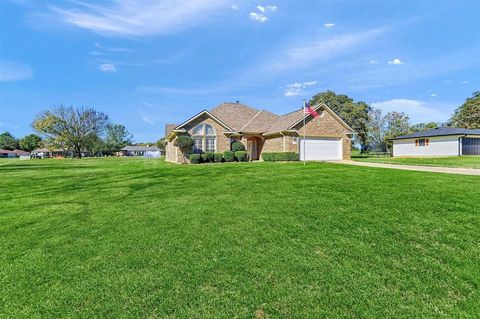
[(74, 130), (375, 129)]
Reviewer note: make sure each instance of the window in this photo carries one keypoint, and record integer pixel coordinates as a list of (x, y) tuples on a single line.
[(422, 142), (204, 138)]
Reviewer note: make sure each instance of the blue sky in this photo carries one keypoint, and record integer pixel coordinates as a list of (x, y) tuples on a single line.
[(147, 63)]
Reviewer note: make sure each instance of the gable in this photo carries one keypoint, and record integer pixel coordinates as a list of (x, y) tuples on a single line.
[(202, 115), (324, 125)]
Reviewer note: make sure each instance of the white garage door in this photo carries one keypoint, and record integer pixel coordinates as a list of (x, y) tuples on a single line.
[(320, 149)]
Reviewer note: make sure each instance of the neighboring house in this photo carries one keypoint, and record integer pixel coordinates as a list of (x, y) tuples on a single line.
[(438, 142), (147, 151), (7, 153), (327, 136), (45, 152), (22, 154)]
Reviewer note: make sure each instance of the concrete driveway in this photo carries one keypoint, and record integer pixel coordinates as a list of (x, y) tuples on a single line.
[(435, 169)]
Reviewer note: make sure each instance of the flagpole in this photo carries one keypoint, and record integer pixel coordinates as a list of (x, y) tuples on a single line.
[(304, 132)]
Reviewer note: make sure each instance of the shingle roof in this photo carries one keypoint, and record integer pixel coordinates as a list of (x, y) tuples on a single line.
[(132, 148), (235, 115), (243, 118), (261, 122), (21, 152), (441, 131), (283, 122), (3, 151)]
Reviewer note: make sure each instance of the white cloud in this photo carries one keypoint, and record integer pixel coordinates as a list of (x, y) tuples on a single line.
[(329, 25), (13, 71), (146, 118), (373, 62), (297, 88), (433, 94), (395, 61), (258, 17), (108, 67), (272, 8), (138, 18), (234, 7), (261, 8), (111, 49), (312, 50), (418, 111)]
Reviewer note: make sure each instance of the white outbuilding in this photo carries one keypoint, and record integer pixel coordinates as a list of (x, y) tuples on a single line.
[(443, 141)]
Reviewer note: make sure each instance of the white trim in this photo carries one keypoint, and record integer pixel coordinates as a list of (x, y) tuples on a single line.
[(329, 110), (200, 114)]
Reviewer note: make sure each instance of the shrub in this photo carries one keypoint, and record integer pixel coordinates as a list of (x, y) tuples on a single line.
[(209, 157), (238, 146), (204, 158), (229, 156), (268, 157), (195, 158), (184, 142), (292, 156), (241, 156), (218, 157), (280, 156)]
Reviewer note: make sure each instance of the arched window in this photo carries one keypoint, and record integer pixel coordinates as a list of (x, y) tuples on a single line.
[(204, 137)]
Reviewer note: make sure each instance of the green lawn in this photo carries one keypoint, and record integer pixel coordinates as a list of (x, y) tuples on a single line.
[(450, 161), (127, 237)]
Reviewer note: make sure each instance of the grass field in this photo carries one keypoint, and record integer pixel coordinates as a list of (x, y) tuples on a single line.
[(449, 161), (127, 237)]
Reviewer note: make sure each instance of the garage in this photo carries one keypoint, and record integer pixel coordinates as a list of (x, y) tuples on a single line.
[(320, 149), (470, 146)]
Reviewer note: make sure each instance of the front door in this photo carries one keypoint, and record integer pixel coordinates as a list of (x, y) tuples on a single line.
[(252, 146)]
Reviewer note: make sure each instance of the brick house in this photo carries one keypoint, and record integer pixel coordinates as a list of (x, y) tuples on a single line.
[(327, 137)]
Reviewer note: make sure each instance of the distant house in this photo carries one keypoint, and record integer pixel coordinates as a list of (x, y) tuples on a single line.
[(22, 154), (7, 153), (14, 153), (138, 150), (45, 153), (444, 141)]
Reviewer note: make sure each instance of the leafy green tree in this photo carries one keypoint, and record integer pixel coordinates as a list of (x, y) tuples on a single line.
[(468, 114), (396, 124), (420, 127), (117, 137), (74, 129), (161, 143), (185, 144), (30, 142), (8, 141), (355, 114), (377, 130)]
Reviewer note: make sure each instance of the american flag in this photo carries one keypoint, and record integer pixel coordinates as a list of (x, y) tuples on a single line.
[(309, 110)]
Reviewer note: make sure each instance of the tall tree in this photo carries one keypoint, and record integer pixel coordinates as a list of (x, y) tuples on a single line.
[(117, 137), (377, 130), (8, 141), (396, 124), (71, 128), (30, 142), (161, 143), (355, 114), (468, 114)]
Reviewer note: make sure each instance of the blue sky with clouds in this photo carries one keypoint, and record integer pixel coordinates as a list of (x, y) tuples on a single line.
[(147, 63)]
